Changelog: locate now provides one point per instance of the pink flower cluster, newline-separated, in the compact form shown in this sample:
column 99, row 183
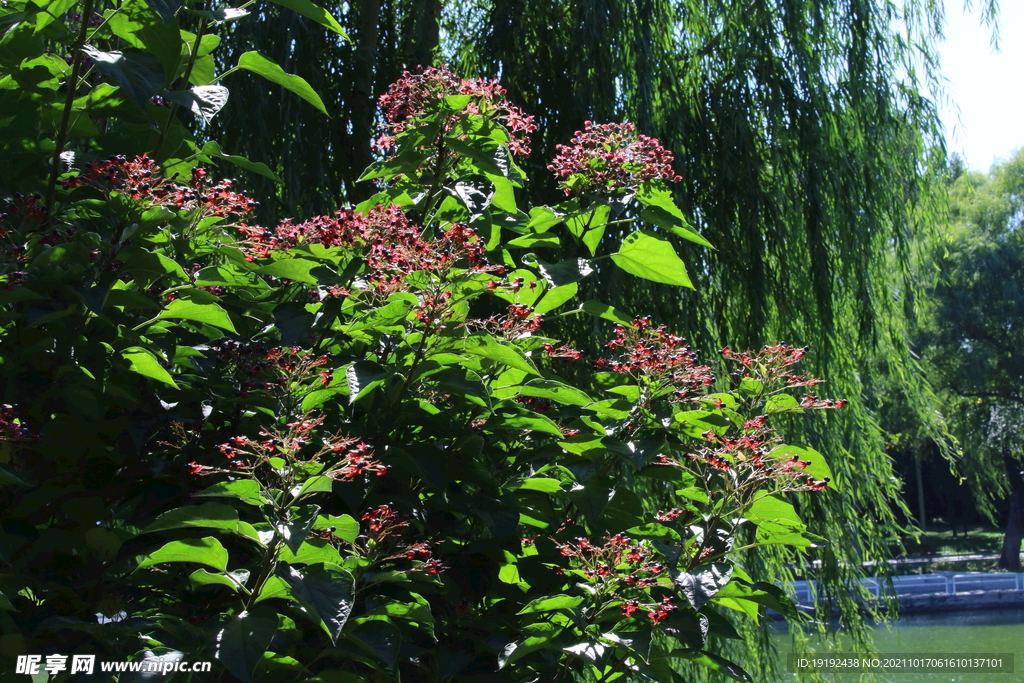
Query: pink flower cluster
column 413, row 95
column 610, row 158
column 393, row 246
column 140, row 179
column 659, row 356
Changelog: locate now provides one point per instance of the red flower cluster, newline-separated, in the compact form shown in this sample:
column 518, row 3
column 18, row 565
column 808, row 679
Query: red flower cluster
column 21, row 210
column 383, row 521
column 662, row 610
column 813, row 402
column 414, row 95
column 357, row 460
column 393, row 246
column 564, row 351
column 610, row 158
column 659, row 356
column 140, row 179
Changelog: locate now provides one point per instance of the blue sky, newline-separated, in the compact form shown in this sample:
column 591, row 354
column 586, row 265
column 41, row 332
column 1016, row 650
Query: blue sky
column 988, row 86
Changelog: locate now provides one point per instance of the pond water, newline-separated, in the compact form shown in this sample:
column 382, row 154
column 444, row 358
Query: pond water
column 980, row 633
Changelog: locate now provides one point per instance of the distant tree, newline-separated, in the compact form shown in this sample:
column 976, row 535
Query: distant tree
column 972, row 333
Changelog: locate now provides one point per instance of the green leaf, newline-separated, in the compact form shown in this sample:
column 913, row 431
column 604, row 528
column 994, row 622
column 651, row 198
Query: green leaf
column 206, row 551
column 553, row 604
column 325, row 591
column 296, row 269
column 674, row 224
column 773, row 508
column 490, row 348
column 779, row 403
column 555, row 391
column 602, row 310
column 146, row 364
column 715, row 663
column 246, row 490
column 533, row 241
column 202, row 100
column 645, row 255
column 362, row 378
column 379, row 638
column 701, row 584
column 553, row 298
column 207, row 515
column 818, row 468
column 541, row 484
column 318, row 484
column 345, row 526
column 314, row 12
column 201, row 577
column 295, row 529
column 240, row 644
column 208, row 314
column 139, row 73
column 543, row 219
column 257, row 63
column 213, row 150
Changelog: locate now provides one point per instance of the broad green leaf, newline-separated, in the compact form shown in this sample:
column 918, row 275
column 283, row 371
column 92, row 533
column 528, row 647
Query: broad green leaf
column 257, row 63
column 379, row 638
column 207, row 515
column 362, row 378
column 295, row 529
column 209, row 314
column 602, row 310
column 325, row 591
column 139, row 73
column 345, row 526
column 647, row 256
column 715, row 663
column 318, row 484
column 201, row 577
column 206, row 551
column 773, row 508
column 202, row 100
column 543, row 240
column 759, row 593
column 543, row 219
column 213, row 150
column 246, row 490
column 555, row 391
column 240, row 644
column 782, row 403
column 541, row 484
column 296, row 269
column 553, row 298
column 314, row 12
column 552, row 604
column 818, row 468
column 674, row 224
column 701, row 584
column 490, row 348
column 146, row 364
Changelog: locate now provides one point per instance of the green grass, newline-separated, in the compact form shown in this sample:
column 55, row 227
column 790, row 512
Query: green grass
column 940, row 541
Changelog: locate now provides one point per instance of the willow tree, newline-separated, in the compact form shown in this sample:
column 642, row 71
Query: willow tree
column 801, row 130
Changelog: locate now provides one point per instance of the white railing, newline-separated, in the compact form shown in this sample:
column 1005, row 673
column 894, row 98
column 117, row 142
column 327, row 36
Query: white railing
column 948, row 583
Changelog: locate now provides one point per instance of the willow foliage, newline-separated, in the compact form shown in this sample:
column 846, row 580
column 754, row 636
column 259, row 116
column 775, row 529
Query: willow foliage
column 800, row 130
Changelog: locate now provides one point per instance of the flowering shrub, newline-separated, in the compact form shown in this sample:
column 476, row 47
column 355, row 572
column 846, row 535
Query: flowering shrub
column 611, row 158
column 341, row 449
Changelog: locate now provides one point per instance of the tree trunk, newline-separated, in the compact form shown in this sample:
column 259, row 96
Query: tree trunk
column 1010, row 559
column 356, row 143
